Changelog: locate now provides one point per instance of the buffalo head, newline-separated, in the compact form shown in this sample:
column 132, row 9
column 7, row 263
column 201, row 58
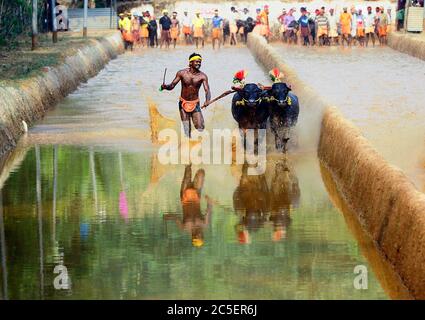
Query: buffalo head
column 279, row 93
column 251, row 94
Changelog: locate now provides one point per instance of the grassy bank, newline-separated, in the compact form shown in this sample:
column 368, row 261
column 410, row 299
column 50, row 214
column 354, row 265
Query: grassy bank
column 19, row 62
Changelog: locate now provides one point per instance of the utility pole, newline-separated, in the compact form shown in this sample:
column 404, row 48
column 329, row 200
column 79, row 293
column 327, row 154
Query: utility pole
column 85, row 19
column 34, row 37
column 54, row 24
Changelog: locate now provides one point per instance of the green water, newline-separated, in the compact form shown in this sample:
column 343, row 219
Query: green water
column 108, row 211
column 111, row 255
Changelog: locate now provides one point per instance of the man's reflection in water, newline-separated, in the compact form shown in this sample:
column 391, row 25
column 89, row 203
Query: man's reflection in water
column 250, row 202
column 258, row 204
column 284, row 196
column 193, row 221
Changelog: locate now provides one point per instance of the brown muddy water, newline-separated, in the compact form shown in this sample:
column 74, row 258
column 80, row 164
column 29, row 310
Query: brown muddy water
column 379, row 89
column 85, row 190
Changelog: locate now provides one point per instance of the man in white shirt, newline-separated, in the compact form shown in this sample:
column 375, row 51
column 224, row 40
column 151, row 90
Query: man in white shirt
column 187, row 27
column 333, row 26
column 370, row 26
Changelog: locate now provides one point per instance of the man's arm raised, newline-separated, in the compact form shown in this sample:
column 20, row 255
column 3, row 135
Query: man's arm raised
column 173, row 83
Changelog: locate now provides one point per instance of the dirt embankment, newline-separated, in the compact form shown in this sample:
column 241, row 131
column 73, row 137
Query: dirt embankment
column 412, row 44
column 387, row 204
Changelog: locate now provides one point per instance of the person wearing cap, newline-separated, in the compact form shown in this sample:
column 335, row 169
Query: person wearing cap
column 198, row 29
column 187, row 28
column 370, row 26
column 282, row 29
column 382, row 26
column 192, row 79
column 333, row 27
column 217, row 27
column 165, row 27
column 121, row 22
column 345, row 20
column 175, row 28
column 248, row 24
column 192, row 220
column 125, row 27
column 257, row 28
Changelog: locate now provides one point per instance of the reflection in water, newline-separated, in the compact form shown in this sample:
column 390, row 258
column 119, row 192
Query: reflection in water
column 250, row 201
column 143, row 259
column 284, row 196
column 257, row 204
column 388, row 278
column 123, row 205
column 192, row 220
column 3, row 250
column 40, row 218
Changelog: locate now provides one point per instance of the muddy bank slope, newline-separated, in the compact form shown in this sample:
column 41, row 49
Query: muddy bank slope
column 412, row 44
column 27, row 100
column 387, row 204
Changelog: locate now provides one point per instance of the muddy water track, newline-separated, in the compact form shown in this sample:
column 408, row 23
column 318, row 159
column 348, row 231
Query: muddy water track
column 88, row 188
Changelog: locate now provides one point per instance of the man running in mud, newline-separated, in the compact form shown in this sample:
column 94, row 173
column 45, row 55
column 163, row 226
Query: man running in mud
column 192, row 79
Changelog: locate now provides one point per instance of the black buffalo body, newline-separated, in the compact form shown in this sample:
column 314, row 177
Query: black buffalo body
column 249, row 108
column 284, row 110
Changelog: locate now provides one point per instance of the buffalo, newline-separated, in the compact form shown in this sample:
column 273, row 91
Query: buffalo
column 249, row 108
column 283, row 110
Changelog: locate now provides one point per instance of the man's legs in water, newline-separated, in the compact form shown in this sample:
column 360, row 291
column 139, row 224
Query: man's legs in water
column 197, row 119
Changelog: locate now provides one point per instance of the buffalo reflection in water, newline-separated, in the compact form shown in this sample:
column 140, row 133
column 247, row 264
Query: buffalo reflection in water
column 257, row 204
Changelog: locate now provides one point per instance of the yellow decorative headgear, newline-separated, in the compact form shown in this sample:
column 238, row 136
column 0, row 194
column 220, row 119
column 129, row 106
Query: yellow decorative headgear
column 196, row 57
column 197, row 242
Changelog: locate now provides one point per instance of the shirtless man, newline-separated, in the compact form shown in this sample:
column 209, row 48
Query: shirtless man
column 192, row 79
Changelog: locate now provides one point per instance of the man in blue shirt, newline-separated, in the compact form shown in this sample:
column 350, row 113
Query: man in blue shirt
column 217, row 26
column 304, row 26
column 165, row 23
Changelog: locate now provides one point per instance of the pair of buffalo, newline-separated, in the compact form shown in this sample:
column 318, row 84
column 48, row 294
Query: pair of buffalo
column 253, row 105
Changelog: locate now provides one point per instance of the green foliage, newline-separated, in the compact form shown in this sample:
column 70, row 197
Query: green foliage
column 15, row 19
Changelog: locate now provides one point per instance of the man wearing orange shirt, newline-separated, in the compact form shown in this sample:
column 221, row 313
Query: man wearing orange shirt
column 345, row 21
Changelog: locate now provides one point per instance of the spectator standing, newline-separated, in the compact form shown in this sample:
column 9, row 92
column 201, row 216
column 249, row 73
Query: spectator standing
column 175, row 29
column 217, row 27
column 304, row 27
column 370, row 26
column 165, row 26
column 281, row 20
column 345, row 21
column 198, row 29
column 333, row 26
column 187, row 27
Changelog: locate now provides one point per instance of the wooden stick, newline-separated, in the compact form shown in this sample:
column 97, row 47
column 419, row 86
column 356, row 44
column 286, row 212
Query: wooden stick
column 165, row 73
column 219, row 97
